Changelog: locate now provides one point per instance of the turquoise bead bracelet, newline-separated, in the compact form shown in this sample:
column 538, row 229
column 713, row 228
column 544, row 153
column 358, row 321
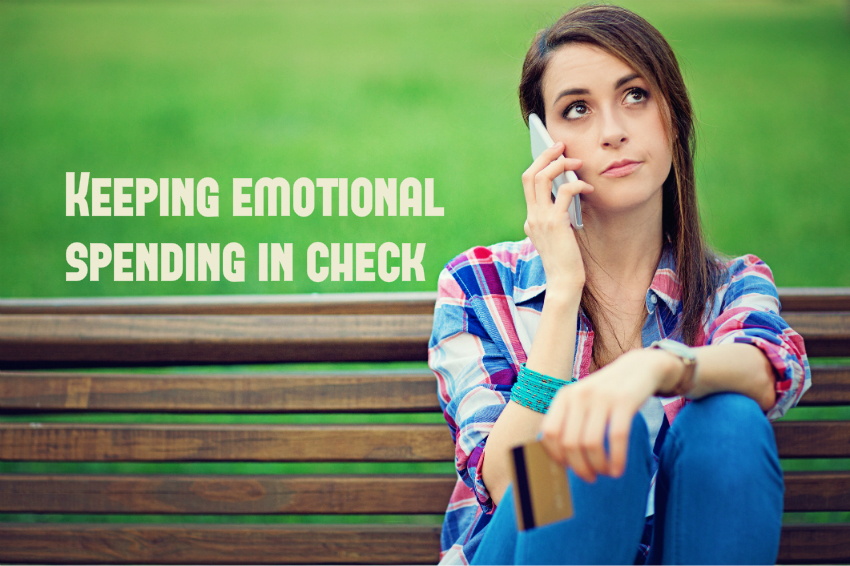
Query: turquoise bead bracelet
column 535, row 390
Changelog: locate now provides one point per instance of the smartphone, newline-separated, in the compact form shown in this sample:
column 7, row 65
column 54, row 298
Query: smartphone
column 540, row 142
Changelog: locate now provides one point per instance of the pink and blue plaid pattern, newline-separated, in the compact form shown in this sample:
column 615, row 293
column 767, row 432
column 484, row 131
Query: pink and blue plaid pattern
column 488, row 306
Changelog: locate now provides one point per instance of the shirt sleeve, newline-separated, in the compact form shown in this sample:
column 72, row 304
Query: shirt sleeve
column 474, row 379
column 749, row 314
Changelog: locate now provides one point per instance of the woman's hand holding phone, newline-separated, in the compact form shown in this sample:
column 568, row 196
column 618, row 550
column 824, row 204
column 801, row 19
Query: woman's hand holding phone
column 548, row 223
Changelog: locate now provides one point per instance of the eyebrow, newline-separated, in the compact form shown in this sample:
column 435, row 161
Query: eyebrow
column 582, row 91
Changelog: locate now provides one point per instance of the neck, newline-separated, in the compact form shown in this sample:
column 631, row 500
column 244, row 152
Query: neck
column 622, row 249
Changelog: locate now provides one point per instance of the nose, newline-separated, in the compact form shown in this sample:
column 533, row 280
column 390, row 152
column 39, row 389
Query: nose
column 613, row 133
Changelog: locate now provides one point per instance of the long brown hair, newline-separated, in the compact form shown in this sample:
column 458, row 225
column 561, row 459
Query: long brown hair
column 636, row 42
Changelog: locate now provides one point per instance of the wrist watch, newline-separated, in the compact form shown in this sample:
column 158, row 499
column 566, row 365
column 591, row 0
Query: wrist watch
column 688, row 357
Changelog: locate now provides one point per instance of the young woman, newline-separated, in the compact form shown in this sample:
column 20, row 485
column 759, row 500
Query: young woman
column 649, row 366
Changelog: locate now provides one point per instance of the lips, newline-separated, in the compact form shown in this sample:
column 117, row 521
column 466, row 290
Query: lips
column 622, row 168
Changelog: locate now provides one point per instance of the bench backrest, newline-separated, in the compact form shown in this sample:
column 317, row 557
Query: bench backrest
column 40, row 334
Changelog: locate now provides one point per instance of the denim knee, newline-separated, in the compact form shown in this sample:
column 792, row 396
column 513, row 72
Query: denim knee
column 719, row 480
column 725, row 430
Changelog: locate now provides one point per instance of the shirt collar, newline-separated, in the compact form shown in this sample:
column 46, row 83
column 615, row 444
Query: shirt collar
column 531, row 281
column 665, row 282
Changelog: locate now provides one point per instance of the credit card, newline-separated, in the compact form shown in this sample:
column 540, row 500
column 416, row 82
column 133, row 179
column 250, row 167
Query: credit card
column 541, row 488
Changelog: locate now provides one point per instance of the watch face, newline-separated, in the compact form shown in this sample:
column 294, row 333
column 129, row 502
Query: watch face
column 677, row 348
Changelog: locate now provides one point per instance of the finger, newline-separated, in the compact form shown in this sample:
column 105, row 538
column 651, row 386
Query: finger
column 593, row 440
column 544, row 179
column 538, row 164
column 567, row 191
column 572, row 163
column 571, row 441
column 528, row 189
column 618, row 439
column 551, row 154
column 551, row 427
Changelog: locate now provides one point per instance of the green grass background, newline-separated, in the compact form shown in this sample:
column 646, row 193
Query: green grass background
column 392, row 89
column 389, row 89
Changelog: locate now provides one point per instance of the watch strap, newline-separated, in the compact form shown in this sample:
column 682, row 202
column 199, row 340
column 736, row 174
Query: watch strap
column 689, row 359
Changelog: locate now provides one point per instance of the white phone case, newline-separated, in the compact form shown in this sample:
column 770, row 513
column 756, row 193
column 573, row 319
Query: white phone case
column 540, row 142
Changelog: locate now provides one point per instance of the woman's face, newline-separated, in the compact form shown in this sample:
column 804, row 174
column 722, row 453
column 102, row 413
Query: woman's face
column 604, row 113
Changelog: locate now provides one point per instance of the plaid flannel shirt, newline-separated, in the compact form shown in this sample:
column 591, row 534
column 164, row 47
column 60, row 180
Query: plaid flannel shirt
column 486, row 315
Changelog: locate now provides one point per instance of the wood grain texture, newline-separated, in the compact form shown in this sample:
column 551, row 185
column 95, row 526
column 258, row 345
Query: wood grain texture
column 813, row 439
column 792, row 299
column 310, row 304
column 299, row 544
column 227, row 393
column 817, row 491
column 273, row 393
column 202, row 443
column 814, row 298
column 830, row 386
column 220, row 494
column 259, row 329
column 815, row 544
column 306, row 443
column 66, row 340
column 45, row 340
column 825, row 333
column 298, row 494
column 219, row 544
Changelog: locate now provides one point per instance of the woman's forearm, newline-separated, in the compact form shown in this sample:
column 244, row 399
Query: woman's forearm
column 516, row 424
column 552, row 354
column 741, row 368
column 553, row 349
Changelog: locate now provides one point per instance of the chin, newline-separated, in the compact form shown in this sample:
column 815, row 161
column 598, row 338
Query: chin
column 621, row 198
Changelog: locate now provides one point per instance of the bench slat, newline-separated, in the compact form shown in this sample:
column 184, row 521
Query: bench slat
column 814, row 298
column 419, row 302
column 45, row 340
column 120, row 340
column 305, row 544
column 296, row 494
column 813, row 439
column 830, row 387
column 253, row 495
column 228, row 393
column 825, row 333
column 277, row 393
column 817, row 491
column 201, row 443
column 219, row 544
column 826, row 543
column 307, row 443
column 792, row 299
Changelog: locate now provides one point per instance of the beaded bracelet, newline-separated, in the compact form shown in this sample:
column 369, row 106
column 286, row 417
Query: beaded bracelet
column 535, row 390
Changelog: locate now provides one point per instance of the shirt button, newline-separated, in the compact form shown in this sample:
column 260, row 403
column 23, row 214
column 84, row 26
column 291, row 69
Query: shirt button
column 653, row 299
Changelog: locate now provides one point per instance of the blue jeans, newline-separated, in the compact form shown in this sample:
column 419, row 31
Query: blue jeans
column 718, row 498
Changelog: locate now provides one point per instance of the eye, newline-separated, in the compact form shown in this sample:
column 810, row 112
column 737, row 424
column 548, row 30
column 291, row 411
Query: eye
column 576, row 110
column 636, row 95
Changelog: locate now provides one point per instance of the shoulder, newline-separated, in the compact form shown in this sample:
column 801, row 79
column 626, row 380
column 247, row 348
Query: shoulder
column 505, row 268
column 747, row 278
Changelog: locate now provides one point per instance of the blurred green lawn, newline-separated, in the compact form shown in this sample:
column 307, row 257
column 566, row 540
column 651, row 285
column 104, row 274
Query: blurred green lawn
column 392, row 89
column 389, row 89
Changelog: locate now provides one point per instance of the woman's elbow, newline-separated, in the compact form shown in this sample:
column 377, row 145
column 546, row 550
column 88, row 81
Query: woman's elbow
column 494, row 477
column 768, row 389
column 768, row 399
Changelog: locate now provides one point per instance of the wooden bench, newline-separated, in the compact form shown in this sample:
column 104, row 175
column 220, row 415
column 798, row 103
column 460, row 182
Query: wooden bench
column 56, row 422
